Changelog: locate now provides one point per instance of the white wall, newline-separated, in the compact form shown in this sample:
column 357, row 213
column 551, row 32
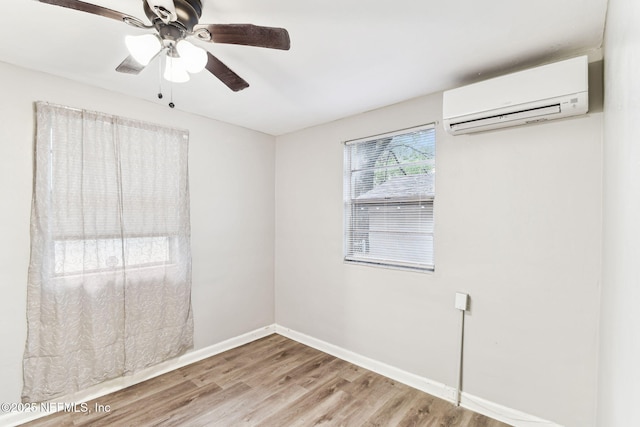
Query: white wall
column 232, row 214
column 619, row 381
column 518, row 227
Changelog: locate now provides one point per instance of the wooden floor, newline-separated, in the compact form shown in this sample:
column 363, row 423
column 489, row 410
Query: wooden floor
column 271, row 382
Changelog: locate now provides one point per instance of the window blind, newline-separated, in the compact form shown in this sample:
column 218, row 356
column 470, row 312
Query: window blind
column 389, row 191
column 98, row 160
column 104, row 194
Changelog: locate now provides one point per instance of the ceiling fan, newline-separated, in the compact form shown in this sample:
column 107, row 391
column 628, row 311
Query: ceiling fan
column 173, row 22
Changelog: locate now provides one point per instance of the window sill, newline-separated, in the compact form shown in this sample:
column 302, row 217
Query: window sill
column 426, row 270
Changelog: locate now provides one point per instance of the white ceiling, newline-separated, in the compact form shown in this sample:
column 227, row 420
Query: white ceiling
column 346, row 57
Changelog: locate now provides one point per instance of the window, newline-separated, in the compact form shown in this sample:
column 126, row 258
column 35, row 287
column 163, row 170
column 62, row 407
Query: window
column 109, row 283
column 388, row 199
column 114, row 192
column 76, row 256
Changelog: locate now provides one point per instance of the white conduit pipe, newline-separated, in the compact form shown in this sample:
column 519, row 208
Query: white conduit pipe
column 462, row 304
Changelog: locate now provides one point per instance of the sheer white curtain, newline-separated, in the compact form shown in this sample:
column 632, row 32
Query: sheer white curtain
column 109, row 286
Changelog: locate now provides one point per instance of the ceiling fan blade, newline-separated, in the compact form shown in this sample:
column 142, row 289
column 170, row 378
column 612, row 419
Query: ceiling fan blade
column 130, row 66
column 96, row 10
column 248, row 35
column 225, row 74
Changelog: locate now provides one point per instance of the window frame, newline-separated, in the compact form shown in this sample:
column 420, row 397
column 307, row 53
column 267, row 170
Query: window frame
column 349, row 206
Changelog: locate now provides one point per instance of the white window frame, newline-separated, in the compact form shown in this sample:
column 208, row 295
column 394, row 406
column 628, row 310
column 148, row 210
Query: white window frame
column 354, row 255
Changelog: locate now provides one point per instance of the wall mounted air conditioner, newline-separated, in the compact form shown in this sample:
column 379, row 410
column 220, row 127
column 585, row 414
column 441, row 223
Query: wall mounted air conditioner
column 543, row 93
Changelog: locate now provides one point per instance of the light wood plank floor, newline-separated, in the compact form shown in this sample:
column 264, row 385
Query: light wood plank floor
column 271, row 382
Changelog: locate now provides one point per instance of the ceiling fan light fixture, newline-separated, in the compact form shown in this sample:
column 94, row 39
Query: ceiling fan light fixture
column 175, row 70
column 143, row 48
column 194, row 57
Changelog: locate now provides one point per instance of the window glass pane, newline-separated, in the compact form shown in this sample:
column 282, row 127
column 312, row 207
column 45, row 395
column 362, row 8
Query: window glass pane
column 90, row 256
column 389, row 193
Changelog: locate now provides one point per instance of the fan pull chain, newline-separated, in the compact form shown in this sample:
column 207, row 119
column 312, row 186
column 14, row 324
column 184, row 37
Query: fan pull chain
column 171, row 104
column 160, row 78
column 160, row 95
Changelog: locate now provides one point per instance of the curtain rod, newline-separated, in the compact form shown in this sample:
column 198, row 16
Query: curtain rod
column 82, row 110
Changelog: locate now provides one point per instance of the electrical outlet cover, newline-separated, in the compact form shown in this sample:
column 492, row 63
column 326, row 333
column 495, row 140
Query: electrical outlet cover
column 462, row 301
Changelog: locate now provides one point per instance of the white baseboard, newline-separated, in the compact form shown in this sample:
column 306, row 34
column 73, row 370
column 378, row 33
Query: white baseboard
column 434, row 388
column 502, row 413
column 15, row 418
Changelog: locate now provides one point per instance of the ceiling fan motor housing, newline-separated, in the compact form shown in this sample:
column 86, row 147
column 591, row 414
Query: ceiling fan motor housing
column 188, row 13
